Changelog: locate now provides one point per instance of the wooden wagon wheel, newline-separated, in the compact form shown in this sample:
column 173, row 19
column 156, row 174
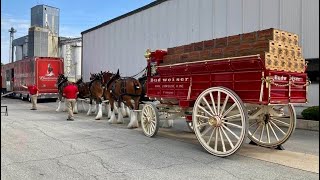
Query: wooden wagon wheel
column 150, row 120
column 271, row 125
column 225, row 117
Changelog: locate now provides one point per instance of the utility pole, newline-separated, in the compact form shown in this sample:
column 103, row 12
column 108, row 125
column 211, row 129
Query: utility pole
column 11, row 31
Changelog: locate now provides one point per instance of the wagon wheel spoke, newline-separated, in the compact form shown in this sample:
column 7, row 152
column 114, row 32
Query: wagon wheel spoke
column 232, row 124
column 224, row 105
column 153, row 125
column 206, row 131
column 218, row 105
column 232, row 117
column 205, row 110
column 213, row 104
column 204, row 99
column 280, row 122
column 198, row 115
column 254, row 132
column 216, row 141
column 222, row 141
column 268, row 134
column 226, row 135
column 275, row 135
column 253, row 124
column 148, row 129
column 261, row 134
column 145, row 113
column 278, row 128
column 229, row 109
column 202, row 125
column 231, row 132
column 208, row 142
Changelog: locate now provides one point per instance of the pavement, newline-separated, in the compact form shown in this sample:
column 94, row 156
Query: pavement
column 44, row 145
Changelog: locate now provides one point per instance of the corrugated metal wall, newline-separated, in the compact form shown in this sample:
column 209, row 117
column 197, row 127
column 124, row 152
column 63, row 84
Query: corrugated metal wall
column 122, row 43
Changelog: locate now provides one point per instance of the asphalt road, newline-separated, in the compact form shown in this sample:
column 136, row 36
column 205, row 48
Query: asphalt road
column 43, row 145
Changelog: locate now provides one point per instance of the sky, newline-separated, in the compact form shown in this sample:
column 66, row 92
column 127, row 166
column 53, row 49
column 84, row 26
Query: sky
column 75, row 16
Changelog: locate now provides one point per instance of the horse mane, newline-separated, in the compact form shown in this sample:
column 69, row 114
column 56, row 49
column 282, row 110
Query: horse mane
column 62, row 79
column 113, row 78
column 79, row 81
column 95, row 77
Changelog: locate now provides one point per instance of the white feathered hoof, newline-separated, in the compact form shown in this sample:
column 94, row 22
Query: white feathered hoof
column 123, row 110
column 115, row 108
column 59, row 105
column 106, row 109
column 128, row 111
column 75, row 110
column 99, row 115
column 94, row 108
column 168, row 123
column 109, row 111
column 133, row 121
column 120, row 118
column 83, row 107
column 89, row 110
column 112, row 119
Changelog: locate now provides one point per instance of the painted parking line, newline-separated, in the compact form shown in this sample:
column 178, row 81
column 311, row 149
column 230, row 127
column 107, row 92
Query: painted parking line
column 291, row 159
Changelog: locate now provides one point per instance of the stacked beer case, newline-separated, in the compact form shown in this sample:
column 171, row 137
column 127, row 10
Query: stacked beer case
column 278, row 49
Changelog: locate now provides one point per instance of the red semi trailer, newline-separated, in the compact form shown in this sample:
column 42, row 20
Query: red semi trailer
column 42, row 71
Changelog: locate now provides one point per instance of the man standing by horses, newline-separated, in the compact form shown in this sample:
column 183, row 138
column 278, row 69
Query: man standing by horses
column 70, row 92
column 34, row 92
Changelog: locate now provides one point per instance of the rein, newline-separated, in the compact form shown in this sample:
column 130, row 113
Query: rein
column 143, row 70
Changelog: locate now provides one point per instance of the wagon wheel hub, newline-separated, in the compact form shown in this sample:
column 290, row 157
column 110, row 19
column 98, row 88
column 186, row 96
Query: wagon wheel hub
column 148, row 120
column 215, row 121
column 266, row 118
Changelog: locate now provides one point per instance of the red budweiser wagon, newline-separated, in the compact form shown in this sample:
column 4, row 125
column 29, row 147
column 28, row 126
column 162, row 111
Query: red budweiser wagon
column 226, row 100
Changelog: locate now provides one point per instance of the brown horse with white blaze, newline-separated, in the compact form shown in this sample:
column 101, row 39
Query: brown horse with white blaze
column 96, row 87
column 123, row 90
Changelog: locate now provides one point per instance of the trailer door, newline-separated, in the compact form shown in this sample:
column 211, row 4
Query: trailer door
column 47, row 71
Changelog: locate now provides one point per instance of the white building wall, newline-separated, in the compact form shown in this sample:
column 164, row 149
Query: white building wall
column 310, row 28
column 122, row 43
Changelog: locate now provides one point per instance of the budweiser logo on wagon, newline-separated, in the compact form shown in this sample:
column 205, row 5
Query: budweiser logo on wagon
column 170, row 79
column 279, row 78
column 297, row 79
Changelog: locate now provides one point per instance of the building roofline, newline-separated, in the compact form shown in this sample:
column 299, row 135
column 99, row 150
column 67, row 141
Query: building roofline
column 152, row 4
column 45, row 5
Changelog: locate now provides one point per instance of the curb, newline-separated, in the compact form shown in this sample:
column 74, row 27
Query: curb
column 307, row 125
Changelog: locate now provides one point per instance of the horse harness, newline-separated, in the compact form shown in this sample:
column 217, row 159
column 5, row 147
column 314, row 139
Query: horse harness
column 123, row 89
